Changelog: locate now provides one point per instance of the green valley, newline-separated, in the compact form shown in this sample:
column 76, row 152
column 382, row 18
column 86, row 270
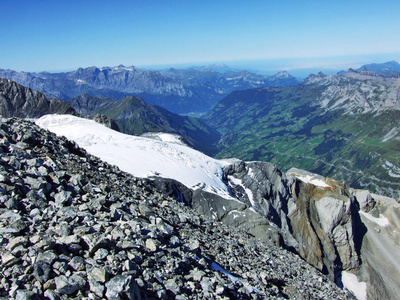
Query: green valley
column 291, row 127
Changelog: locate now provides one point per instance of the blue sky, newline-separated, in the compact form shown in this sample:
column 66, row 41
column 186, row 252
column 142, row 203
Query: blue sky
column 264, row 35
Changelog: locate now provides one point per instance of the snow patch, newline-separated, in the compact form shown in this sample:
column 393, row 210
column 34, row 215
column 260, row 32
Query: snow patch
column 138, row 155
column 251, row 173
column 359, row 289
column 248, row 191
column 391, row 134
column 381, row 221
column 165, row 137
column 312, row 180
column 393, row 171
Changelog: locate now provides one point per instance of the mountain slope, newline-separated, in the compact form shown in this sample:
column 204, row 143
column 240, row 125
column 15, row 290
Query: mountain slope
column 390, row 68
column 343, row 126
column 140, row 156
column 135, row 116
column 179, row 91
column 318, row 218
column 73, row 227
column 19, row 101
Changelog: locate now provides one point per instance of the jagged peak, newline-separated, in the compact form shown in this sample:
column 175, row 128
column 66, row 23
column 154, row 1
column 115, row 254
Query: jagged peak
column 351, row 70
column 282, row 74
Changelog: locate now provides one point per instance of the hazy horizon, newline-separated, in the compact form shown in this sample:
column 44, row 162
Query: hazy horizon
column 264, row 36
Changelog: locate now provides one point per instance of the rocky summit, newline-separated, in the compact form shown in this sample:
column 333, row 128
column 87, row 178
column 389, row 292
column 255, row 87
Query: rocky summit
column 75, row 227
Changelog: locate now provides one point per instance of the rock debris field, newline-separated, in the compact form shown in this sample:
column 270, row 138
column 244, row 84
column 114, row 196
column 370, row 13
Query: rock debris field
column 75, row 227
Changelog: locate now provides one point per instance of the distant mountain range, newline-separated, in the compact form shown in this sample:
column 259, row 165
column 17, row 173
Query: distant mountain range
column 343, row 126
column 390, row 68
column 180, row 91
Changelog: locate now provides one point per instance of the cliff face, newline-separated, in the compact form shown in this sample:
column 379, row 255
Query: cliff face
column 328, row 224
column 317, row 221
column 19, row 101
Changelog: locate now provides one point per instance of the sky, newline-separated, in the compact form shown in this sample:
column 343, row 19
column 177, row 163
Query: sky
column 61, row 35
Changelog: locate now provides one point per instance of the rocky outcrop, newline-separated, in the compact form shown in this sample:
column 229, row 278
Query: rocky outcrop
column 317, row 222
column 108, row 122
column 380, row 256
column 19, row 101
column 73, row 227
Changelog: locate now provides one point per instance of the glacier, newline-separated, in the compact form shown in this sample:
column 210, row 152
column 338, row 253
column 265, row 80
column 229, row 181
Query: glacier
column 140, row 156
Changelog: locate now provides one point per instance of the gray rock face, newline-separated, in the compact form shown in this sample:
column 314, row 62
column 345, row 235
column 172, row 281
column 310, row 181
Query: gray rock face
column 317, row 222
column 80, row 228
column 19, row 101
column 102, row 119
column 356, row 92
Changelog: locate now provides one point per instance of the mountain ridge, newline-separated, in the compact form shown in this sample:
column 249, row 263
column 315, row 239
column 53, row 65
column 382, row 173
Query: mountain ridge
column 342, row 126
column 19, row 101
column 155, row 87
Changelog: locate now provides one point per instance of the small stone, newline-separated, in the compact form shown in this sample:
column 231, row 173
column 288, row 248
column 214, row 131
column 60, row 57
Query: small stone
column 101, row 254
column 19, row 225
column 96, row 287
column 50, row 285
column 4, row 178
column 51, row 295
column 98, row 274
column 122, row 286
column 68, row 286
column 194, row 245
column 71, row 239
column 95, row 241
column 174, row 241
column 172, row 286
column 197, row 275
column 42, row 271
column 23, row 295
column 18, row 241
column 77, row 263
column 145, row 210
column 34, row 212
column 62, row 198
column 151, row 244
column 48, row 256
column 8, row 259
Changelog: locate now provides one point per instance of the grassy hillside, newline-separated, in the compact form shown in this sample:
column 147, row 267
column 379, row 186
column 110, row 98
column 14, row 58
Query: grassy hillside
column 286, row 126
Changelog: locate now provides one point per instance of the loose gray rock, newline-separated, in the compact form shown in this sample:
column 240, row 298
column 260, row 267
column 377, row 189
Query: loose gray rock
column 81, row 228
